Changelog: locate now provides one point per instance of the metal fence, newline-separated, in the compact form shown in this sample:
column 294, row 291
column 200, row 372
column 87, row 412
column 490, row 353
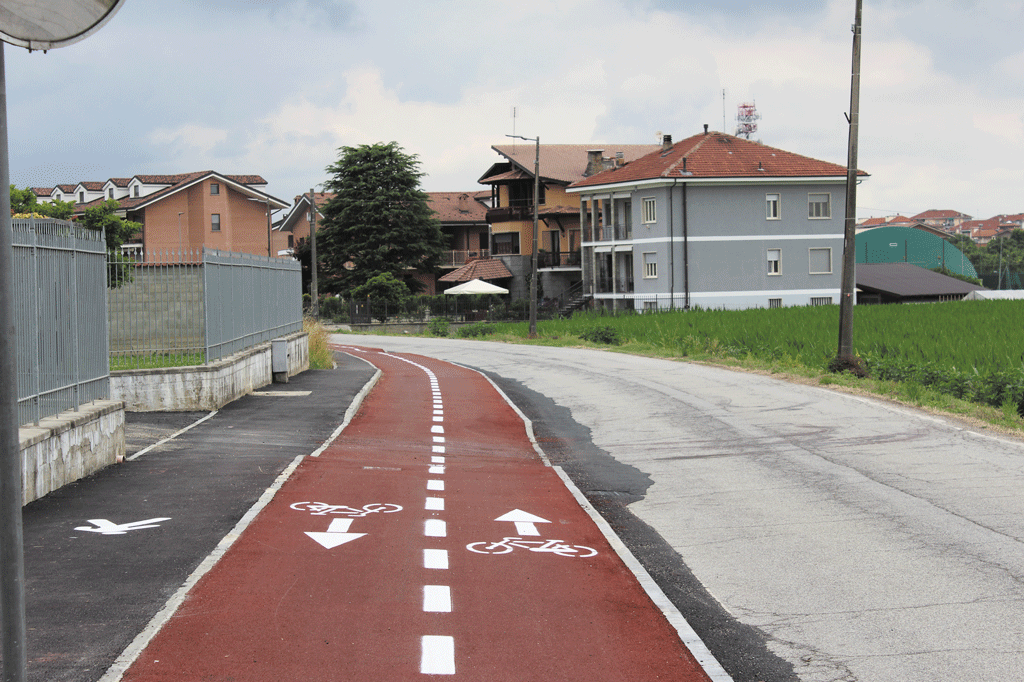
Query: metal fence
column 59, row 317
column 193, row 307
column 249, row 300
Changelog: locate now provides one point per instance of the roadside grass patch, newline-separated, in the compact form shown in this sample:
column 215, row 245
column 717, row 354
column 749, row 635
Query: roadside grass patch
column 320, row 356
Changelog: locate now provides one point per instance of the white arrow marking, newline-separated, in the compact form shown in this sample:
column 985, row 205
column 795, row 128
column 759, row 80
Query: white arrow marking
column 105, row 527
column 524, row 521
column 337, row 534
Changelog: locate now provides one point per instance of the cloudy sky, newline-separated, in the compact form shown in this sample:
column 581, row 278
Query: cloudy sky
column 275, row 87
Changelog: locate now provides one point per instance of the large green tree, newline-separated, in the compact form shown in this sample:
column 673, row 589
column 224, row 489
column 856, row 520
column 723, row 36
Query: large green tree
column 103, row 217
column 379, row 220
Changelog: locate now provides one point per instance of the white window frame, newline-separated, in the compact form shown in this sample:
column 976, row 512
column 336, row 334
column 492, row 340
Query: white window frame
column 650, row 265
column 827, row 202
column 773, row 206
column 774, row 264
column 810, row 260
column 649, row 210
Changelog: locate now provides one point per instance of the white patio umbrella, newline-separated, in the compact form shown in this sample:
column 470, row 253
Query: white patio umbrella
column 476, row 286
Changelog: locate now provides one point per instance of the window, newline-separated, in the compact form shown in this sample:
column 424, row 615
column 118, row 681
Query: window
column 771, row 205
column 214, row 188
column 81, row 197
column 650, row 306
column 60, row 197
column 821, row 300
column 819, row 206
column 650, row 265
column 774, row 258
column 820, row 260
column 215, row 222
column 774, row 302
column 135, row 191
column 650, row 210
column 506, row 243
column 110, row 193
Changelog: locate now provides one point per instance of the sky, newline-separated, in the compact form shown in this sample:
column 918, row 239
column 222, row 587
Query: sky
column 276, row 87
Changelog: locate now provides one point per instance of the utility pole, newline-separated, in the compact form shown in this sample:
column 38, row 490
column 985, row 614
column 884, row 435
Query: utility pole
column 314, row 303
column 536, row 200
column 846, row 297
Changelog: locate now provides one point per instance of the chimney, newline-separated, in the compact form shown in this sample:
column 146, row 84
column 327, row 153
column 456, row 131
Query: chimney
column 705, row 128
column 595, row 162
column 463, row 203
column 666, row 143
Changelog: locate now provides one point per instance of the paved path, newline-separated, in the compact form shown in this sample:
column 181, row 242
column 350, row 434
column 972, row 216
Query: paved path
column 856, row 540
column 430, row 539
column 89, row 593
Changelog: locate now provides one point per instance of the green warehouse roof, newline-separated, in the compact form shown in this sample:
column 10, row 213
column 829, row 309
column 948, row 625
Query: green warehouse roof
column 908, row 245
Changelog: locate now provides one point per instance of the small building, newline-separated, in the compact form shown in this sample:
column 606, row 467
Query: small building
column 907, row 283
column 910, row 245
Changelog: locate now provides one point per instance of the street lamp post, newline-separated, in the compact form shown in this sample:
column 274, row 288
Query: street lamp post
column 536, row 200
column 314, row 302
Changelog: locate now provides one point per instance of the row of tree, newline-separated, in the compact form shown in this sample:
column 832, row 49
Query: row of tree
column 1005, row 254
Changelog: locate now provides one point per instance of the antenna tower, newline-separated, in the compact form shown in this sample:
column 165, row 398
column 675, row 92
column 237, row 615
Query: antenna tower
column 746, row 119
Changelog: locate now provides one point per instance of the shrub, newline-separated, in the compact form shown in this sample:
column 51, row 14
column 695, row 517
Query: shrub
column 438, row 326
column 476, row 329
column 603, row 334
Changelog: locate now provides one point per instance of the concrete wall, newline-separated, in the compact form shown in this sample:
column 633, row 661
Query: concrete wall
column 70, row 446
column 204, row 387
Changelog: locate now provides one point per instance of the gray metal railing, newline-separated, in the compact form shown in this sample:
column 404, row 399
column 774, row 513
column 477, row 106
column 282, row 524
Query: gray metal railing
column 249, row 300
column 193, row 307
column 59, row 317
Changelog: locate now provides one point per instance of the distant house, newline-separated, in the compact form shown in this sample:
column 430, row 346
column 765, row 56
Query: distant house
column 944, row 219
column 716, row 221
column 906, row 283
column 512, row 201
column 182, row 213
column 295, row 226
column 463, row 218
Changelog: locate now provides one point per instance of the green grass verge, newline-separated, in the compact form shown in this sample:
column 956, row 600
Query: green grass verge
column 156, row 361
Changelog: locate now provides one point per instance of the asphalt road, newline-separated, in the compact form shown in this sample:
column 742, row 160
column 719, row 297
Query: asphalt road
column 806, row 534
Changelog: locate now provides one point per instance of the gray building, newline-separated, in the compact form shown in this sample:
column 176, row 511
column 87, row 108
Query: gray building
column 714, row 221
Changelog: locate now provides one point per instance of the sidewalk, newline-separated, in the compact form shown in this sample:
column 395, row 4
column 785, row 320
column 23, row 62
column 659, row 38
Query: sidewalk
column 89, row 593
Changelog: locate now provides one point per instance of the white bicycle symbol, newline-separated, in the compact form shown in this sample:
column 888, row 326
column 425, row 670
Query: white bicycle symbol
column 323, row 509
column 506, row 545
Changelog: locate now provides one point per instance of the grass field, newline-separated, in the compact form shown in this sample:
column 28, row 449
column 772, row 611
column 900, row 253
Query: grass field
column 967, row 351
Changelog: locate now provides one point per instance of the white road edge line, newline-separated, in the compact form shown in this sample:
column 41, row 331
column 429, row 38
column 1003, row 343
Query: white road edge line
column 174, row 435
column 121, row 664
column 689, row 637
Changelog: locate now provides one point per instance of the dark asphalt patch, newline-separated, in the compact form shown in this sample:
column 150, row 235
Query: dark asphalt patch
column 610, row 486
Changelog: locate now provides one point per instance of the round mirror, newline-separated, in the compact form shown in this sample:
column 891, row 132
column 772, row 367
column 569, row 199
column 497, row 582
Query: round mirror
column 46, row 24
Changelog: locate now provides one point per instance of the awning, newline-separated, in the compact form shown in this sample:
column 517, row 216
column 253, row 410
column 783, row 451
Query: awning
column 476, row 286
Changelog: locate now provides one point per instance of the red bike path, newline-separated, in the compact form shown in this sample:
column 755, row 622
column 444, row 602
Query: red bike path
column 377, row 593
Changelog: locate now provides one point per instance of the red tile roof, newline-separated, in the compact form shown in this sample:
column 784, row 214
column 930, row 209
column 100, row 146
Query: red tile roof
column 485, row 269
column 717, row 155
column 565, row 162
column 457, row 207
column 935, row 213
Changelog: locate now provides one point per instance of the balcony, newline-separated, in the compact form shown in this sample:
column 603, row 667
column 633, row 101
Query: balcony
column 559, row 260
column 605, row 285
column 509, row 213
column 456, row 259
